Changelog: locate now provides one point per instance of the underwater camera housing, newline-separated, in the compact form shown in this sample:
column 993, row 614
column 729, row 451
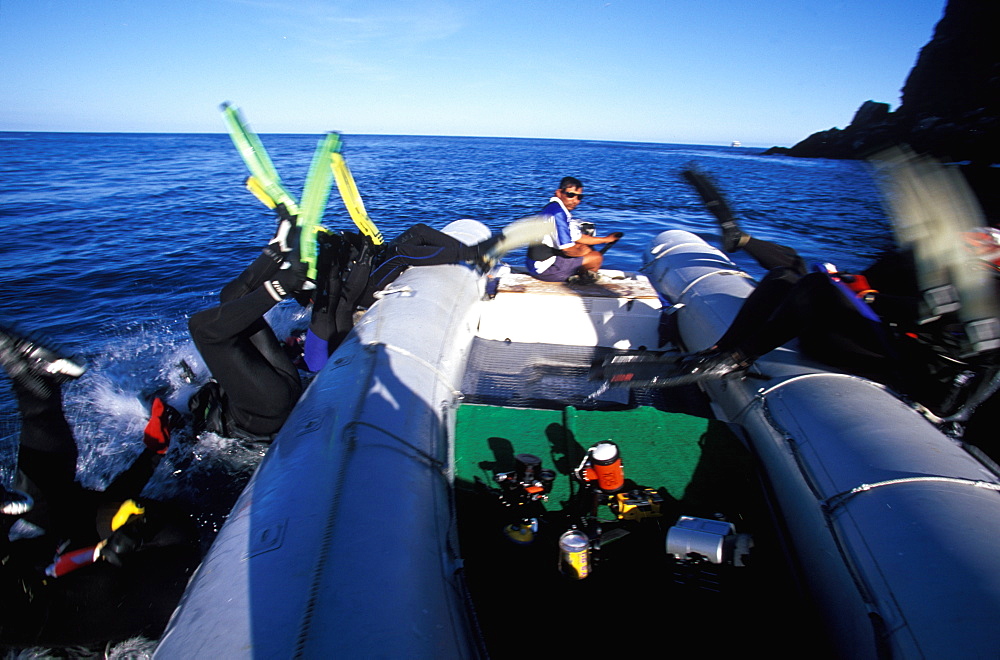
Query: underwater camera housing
column 527, row 482
column 703, row 549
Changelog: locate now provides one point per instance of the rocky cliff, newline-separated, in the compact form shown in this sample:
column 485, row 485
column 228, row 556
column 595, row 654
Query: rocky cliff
column 951, row 100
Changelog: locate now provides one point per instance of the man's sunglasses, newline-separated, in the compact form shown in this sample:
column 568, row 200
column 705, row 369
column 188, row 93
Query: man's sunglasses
column 571, row 195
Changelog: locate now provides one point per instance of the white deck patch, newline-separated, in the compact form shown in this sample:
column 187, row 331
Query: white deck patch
column 622, row 311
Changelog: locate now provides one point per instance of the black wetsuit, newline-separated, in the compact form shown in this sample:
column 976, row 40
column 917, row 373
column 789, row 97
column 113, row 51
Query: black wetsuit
column 352, row 270
column 420, row 245
column 791, row 302
column 260, row 384
column 100, row 602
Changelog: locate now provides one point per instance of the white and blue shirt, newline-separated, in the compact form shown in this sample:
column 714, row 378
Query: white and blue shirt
column 565, row 236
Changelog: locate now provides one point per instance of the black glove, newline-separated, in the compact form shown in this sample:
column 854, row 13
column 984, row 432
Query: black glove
column 127, row 539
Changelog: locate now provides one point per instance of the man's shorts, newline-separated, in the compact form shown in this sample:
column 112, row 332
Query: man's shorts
column 561, row 270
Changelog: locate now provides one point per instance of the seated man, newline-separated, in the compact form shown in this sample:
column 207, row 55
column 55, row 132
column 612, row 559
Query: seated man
column 81, row 566
column 568, row 250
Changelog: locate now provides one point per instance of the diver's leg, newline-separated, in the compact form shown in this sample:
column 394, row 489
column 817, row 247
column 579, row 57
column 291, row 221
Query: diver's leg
column 47, row 451
column 46, row 459
column 253, row 277
column 833, row 330
column 261, row 389
column 129, row 483
column 758, row 327
column 773, row 255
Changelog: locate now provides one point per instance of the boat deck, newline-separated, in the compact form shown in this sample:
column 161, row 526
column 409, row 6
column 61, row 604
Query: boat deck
column 614, row 284
column 622, row 311
column 527, row 389
column 634, row 591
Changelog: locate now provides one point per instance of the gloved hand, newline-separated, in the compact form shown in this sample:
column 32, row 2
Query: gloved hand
column 128, row 525
column 127, row 539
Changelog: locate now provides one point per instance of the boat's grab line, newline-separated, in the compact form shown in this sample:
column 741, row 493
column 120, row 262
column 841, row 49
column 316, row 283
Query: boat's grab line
column 662, row 249
column 847, row 557
column 391, row 289
column 763, row 392
column 835, row 501
column 441, row 376
column 829, row 505
column 417, row 452
column 349, row 432
column 698, row 279
column 761, row 395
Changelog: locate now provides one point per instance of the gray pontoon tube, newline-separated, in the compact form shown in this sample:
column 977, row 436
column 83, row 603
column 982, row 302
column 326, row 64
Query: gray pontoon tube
column 341, row 545
column 892, row 524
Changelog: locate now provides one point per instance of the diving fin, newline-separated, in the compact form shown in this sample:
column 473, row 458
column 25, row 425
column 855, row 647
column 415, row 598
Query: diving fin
column 932, row 208
column 733, row 237
column 315, row 195
column 257, row 190
column 265, row 184
column 635, row 370
column 657, row 371
column 522, row 233
column 266, row 179
column 349, row 193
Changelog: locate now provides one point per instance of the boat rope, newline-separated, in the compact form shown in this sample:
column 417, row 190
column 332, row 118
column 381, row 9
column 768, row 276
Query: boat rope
column 391, row 289
column 763, row 392
column 832, row 503
column 439, row 466
column 738, row 273
column 441, row 376
column 663, row 249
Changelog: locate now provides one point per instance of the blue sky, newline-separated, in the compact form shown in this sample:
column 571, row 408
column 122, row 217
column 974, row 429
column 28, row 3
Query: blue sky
column 692, row 71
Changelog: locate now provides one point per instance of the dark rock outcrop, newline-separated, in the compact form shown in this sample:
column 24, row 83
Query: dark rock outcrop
column 950, row 103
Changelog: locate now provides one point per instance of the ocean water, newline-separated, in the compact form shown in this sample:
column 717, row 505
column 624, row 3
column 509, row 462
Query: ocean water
column 110, row 242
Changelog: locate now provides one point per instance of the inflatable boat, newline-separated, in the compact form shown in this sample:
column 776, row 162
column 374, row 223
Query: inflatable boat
column 424, row 497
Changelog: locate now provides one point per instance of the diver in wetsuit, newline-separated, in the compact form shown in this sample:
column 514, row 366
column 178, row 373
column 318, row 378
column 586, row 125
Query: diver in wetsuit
column 421, row 245
column 256, row 383
column 873, row 324
column 352, row 270
column 81, row 566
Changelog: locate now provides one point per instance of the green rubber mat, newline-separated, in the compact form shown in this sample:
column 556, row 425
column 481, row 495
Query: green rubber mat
column 635, row 592
column 659, row 450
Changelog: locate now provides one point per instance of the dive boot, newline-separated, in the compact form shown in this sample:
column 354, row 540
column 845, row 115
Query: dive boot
column 32, row 364
column 15, row 502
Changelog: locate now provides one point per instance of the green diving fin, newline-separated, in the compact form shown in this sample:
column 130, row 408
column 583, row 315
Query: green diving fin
column 352, row 198
column 315, row 195
column 266, row 182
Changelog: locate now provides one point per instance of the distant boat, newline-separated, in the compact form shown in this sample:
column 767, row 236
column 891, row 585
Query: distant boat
column 736, row 143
